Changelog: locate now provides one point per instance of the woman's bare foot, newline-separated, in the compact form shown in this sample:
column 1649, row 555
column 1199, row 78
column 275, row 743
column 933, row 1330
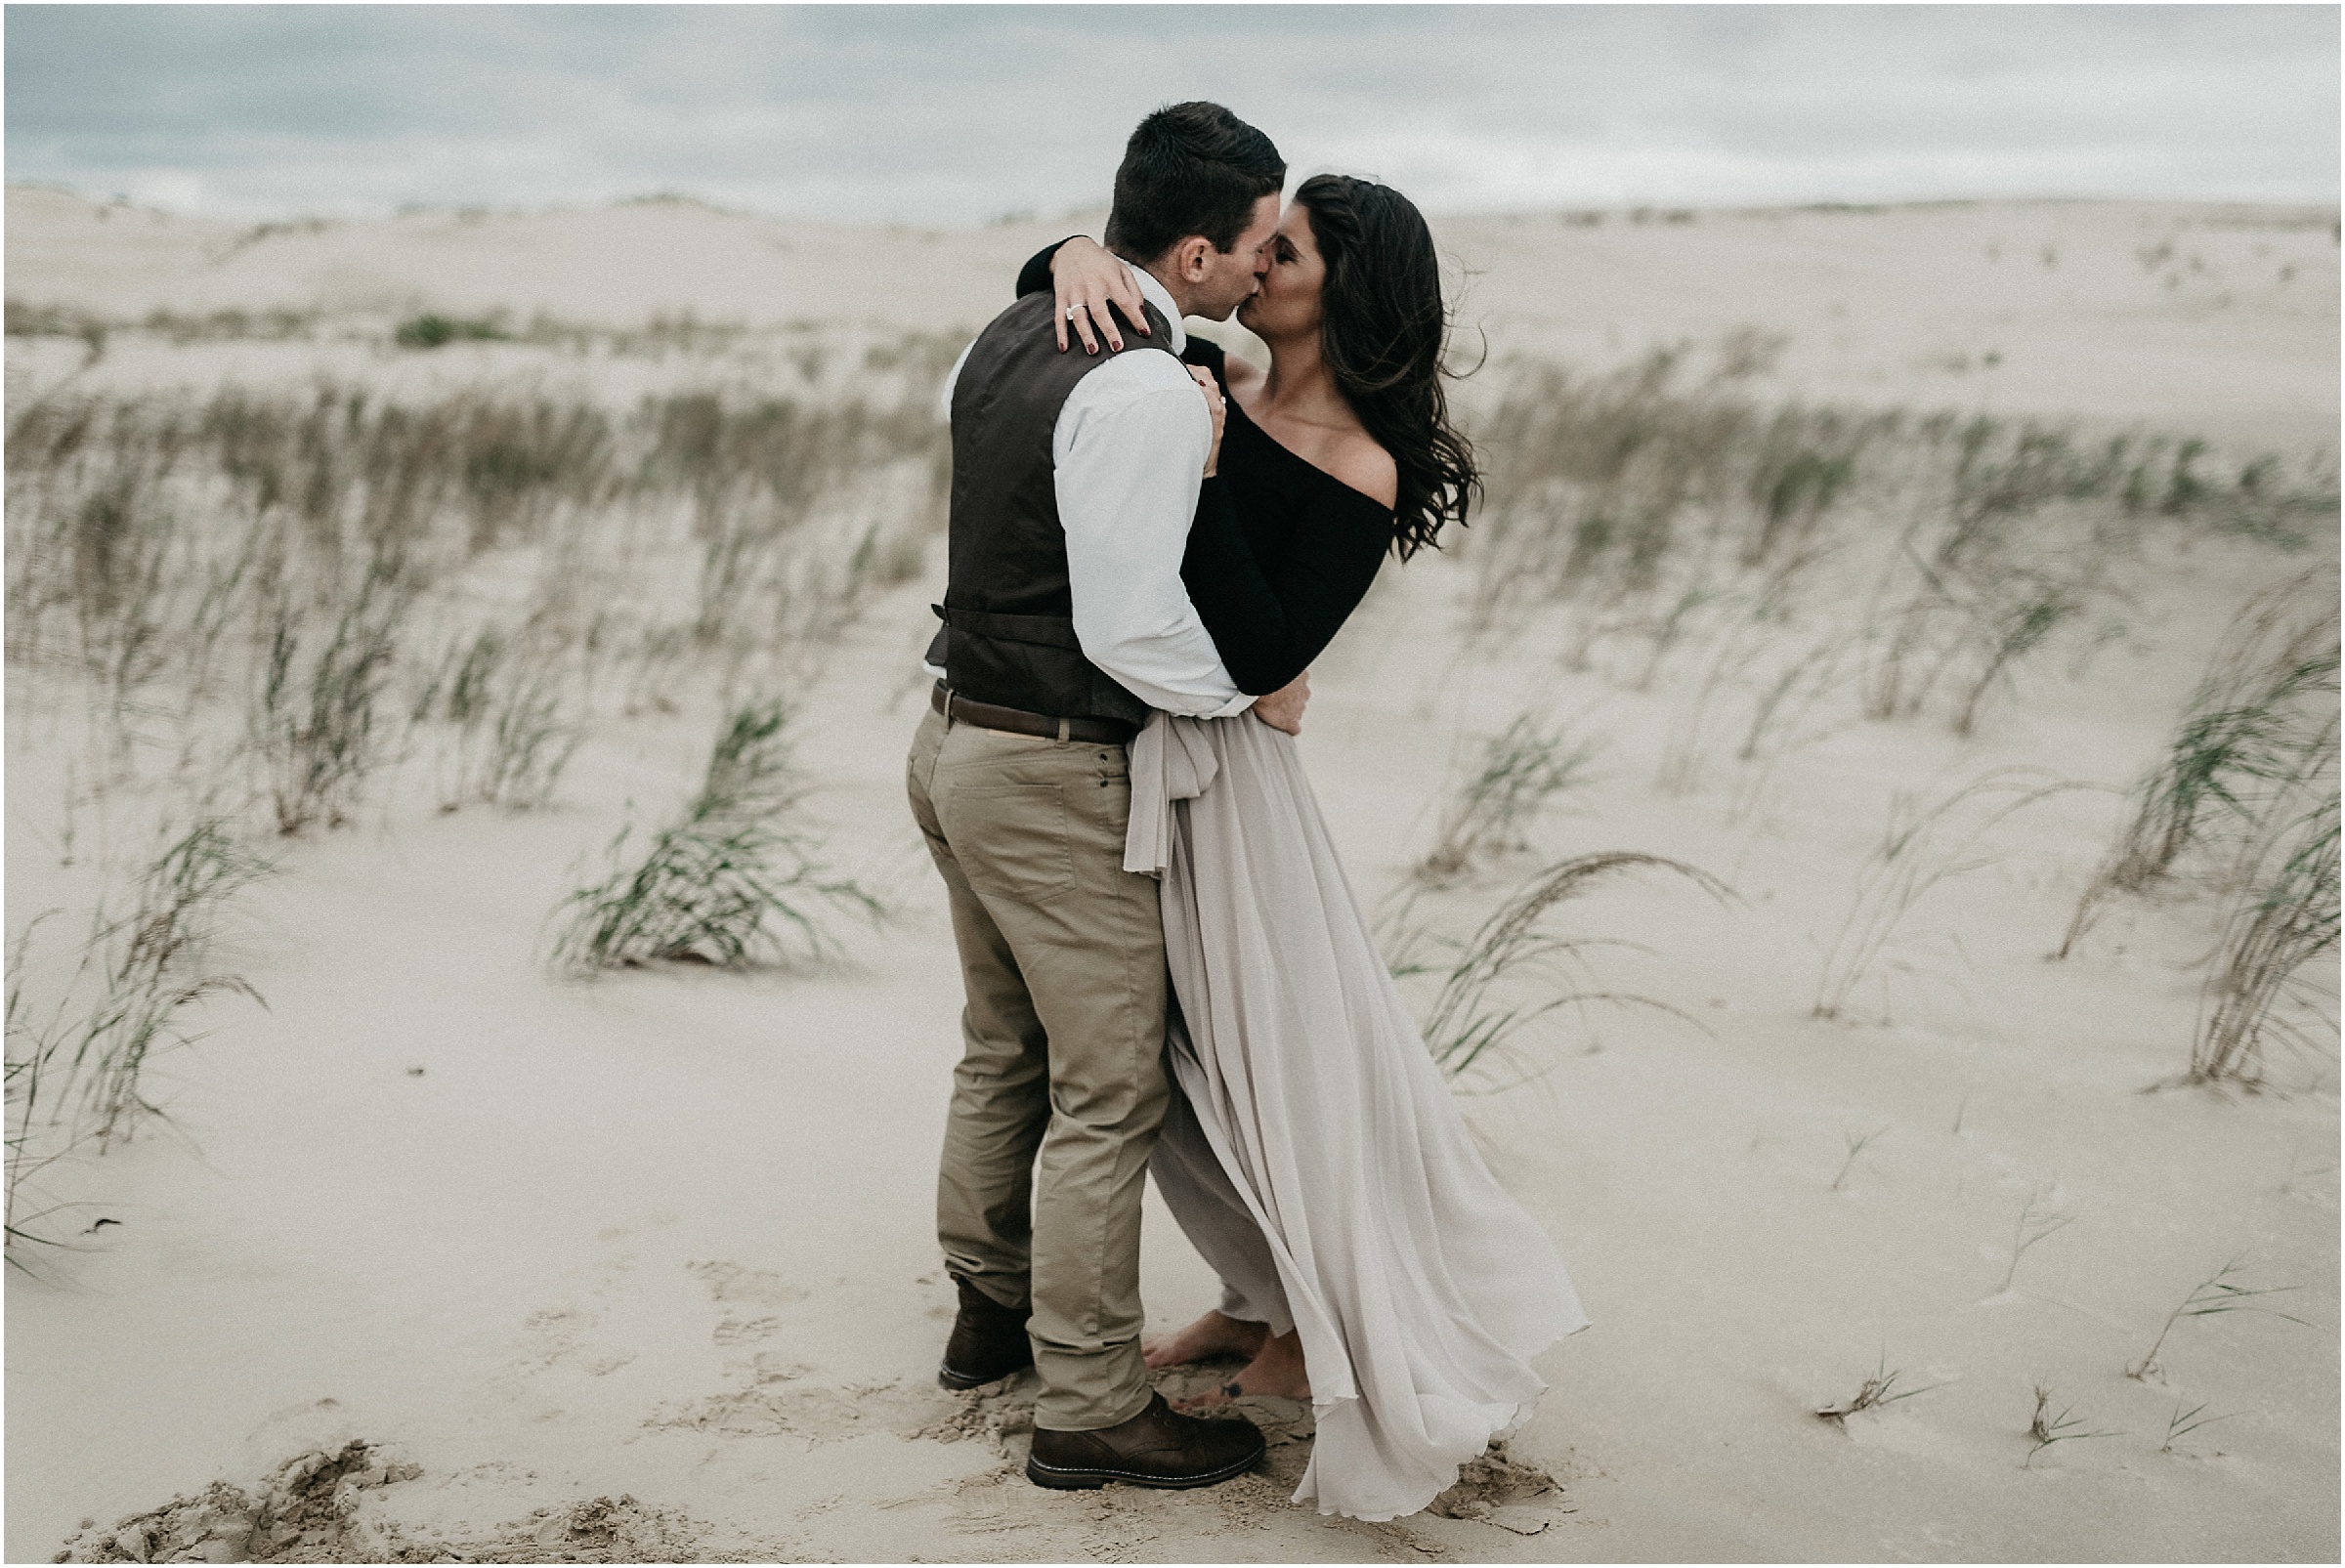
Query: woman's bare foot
column 1210, row 1335
column 1276, row 1373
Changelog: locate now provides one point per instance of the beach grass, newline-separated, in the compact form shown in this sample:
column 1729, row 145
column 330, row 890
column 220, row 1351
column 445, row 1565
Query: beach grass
column 2257, row 732
column 1513, row 969
column 75, row 1066
column 736, row 882
column 1522, row 772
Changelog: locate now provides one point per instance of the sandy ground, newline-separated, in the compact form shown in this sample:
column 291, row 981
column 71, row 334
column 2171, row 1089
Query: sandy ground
column 642, row 1269
column 2108, row 311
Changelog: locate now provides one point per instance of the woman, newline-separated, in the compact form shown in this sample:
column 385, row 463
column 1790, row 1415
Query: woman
column 1370, row 1264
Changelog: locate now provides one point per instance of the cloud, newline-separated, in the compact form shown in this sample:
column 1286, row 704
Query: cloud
column 951, row 115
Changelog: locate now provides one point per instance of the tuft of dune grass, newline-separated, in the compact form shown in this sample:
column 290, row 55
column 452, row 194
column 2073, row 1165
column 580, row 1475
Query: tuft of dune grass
column 736, row 882
column 76, row 1069
column 2281, row 929
column 2259, row 729
column 1513, row 970
column 1522, row 772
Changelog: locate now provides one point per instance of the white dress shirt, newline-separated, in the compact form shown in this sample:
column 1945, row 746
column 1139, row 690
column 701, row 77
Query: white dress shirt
column 1129, row 451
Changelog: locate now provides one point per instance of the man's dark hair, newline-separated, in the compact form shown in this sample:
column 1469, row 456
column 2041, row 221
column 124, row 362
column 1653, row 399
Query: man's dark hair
column 1190, row 169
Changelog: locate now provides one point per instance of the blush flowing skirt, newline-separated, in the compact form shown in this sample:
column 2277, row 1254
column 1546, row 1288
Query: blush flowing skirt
column 1314, row 1156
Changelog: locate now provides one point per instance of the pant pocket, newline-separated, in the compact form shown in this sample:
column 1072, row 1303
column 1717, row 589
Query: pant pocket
column 1011, row 841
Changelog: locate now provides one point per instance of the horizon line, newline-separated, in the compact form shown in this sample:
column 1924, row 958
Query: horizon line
column 1635, row 211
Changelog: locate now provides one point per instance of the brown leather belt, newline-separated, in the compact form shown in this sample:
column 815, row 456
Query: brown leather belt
column 1016, row 720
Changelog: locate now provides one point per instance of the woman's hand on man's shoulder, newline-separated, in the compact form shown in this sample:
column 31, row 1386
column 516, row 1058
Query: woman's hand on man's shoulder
column 1086, row 279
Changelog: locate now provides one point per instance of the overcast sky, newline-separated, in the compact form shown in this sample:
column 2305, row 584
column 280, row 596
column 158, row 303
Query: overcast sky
column 959, row 113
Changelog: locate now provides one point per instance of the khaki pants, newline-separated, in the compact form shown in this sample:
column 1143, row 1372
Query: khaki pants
column 1062, row 958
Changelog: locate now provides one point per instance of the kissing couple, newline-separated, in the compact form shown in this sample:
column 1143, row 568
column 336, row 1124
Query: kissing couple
column 1164, row 968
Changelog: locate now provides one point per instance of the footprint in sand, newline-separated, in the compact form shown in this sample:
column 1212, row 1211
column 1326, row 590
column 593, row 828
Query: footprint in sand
column 772, row 1393
column 734, row 1333
column 730, row 1283
column 556, row 1337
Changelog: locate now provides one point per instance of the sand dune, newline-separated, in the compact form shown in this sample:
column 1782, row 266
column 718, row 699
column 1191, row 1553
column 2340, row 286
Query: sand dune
column 641, row 1268
column 2223, row 316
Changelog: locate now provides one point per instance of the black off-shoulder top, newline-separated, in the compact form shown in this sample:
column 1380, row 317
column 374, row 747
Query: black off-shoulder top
column 1279, row 552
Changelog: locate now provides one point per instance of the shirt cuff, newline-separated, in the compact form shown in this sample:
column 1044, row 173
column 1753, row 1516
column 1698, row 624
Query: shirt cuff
column 1231, row 708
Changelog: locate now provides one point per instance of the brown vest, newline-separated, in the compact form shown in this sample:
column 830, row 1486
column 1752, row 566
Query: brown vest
column 1008, row 635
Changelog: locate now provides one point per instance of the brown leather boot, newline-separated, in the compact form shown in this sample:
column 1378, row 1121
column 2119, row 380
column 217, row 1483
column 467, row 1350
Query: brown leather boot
column 989, row 1341
column 1158, row 1447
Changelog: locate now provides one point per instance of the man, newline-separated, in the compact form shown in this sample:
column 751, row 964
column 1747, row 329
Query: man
column 1075, row 477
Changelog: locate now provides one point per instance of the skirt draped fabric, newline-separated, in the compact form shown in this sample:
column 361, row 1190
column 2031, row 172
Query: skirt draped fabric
column 1314, row 1156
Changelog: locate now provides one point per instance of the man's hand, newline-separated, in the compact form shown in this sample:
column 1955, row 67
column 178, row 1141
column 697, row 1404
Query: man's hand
column 1282, row 709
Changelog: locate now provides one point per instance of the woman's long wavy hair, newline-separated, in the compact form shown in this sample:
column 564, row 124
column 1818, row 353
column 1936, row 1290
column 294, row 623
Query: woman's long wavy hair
column 1381, row 335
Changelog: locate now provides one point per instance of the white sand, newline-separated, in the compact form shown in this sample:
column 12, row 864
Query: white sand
column 666, row 1237
column 2119, row 310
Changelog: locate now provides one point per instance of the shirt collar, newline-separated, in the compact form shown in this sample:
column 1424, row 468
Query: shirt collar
column 1156, row 294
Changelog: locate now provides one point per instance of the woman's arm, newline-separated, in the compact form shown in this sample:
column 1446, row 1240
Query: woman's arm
column 1035, row 276
column 1232, row 594
column 1269, row 624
